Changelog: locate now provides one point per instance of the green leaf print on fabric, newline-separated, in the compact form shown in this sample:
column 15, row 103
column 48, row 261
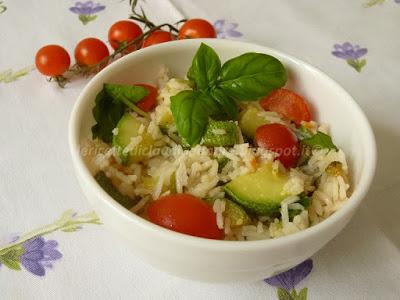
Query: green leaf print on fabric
column 3, row 8
column 33, row 252
column 9, row 75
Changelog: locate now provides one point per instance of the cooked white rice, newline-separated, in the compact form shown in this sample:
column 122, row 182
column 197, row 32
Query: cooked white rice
column 198, row 171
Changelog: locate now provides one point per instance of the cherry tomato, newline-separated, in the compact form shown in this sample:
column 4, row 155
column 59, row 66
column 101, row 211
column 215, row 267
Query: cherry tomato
column 197, row 28
column 288, row 104
column 280, row 139
column 90, row 51
column 124, row 32
column 149, row 102
column 158, row 37
column 52, row 60
column 185, row 213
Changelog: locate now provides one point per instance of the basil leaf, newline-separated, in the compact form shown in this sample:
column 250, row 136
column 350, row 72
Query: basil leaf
column 305, row 201
column 251, row 76
column 190, row 113
column 123, row 93
column 107, row 113
column 319, row 140
column 213, row 107
column 303, row 133
column 227, row 104
column 205, row 68
column 110, row 105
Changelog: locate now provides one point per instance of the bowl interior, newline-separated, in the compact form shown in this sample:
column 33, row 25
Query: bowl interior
column 330, row 103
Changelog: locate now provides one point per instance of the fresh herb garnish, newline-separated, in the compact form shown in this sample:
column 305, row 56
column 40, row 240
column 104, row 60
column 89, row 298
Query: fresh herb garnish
column 251, row 76
column 217, row 89
column 227, row 105
column 111, row 103
column 205, row 68
column 125, row 93
column 190, row 112
column 303, row 132
column 305, row 201
column 319, row 140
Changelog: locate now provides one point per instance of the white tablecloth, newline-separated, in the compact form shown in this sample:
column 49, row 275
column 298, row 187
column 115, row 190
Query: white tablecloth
column 38, row 183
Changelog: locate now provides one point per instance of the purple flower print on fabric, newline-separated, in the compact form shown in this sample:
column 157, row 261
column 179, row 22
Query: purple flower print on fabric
column 226, row 29
column 352, row 54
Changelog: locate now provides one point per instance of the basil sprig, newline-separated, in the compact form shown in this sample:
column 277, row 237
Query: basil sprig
column 217, row 89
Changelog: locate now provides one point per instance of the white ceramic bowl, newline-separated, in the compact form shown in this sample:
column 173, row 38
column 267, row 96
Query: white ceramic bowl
column 225, row 261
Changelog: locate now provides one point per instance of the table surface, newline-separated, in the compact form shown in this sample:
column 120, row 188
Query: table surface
column 38, row 183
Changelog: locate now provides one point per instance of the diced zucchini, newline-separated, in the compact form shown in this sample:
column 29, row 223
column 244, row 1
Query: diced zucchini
column 108, row 186
column 128, row 128
column 221, row 133
column 250, row 120
column 234, row 212
column 260, row 192
column 150, row 182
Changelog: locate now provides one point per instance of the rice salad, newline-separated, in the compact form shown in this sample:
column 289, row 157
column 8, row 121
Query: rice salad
column 230, row 178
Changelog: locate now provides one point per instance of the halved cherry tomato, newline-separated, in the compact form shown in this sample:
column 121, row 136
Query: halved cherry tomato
column 197, row 28
column 149, row 102
column 289, row 104
column 158, row 37
column 90, row 51
column 280, row 139
column 185, row 213
column 124, row 32
column 52, row 60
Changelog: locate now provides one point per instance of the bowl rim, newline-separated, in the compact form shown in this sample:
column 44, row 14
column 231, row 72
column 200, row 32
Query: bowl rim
column 353, row 202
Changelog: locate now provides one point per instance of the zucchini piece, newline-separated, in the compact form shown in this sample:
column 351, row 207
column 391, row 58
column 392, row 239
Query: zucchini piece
column 221, row 133
column 110, row 189
column 250, row 120
column 237, row 215
column 128, row 128
column 150, row 182
column 260, row 192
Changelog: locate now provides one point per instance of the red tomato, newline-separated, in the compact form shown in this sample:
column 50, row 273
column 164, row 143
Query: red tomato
column 90, row 51
column 186, row 214
column 149, row 102
column 124, row 32
column 158, row 37
column 197, row 28
column 278, row 138
column 288, row 104
column 52, row 60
